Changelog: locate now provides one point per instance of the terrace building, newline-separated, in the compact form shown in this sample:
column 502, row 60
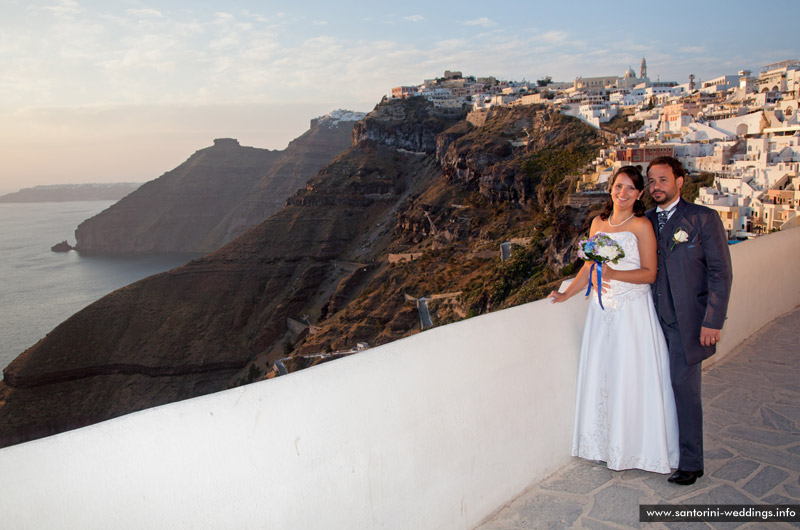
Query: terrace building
column 642, row 156
column 404, row 91
column 773, row 77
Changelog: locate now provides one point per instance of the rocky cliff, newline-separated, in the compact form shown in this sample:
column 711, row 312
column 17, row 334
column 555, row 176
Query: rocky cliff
column 217, row 194
column 416, row 182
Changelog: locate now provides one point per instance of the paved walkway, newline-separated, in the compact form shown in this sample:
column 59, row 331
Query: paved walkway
column 751, row 402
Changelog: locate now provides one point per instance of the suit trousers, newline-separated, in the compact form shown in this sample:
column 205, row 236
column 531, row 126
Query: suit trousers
column 686, row 380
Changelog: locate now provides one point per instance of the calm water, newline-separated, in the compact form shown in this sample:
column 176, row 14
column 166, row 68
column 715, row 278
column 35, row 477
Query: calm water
column 39, row 289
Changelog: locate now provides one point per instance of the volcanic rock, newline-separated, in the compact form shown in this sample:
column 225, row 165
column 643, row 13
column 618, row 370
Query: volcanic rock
column 415, row 180
column 61, row 247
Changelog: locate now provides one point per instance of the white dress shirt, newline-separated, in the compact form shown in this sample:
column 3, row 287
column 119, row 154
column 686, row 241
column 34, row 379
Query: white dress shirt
column 670, row 208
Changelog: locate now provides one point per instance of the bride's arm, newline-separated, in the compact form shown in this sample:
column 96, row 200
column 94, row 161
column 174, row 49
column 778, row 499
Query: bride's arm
column 578, row 284
column 646, row 273
column 581, row 279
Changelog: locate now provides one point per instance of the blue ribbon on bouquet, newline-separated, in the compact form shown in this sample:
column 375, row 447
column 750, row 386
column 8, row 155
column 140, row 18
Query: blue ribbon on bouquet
column 599, row 282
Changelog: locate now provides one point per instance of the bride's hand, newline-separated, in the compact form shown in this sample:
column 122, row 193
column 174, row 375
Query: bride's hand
column 556, row 297
column 608, row 275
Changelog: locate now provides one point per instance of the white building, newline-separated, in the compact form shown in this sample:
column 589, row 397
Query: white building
column 663, row 89
column 720, row 84
column 749, row 139
column 700, row 132
column 596, row 113
column 773, row 77
column 627, row 98
column 689, row 152
column 735, row 216
column 753, row 123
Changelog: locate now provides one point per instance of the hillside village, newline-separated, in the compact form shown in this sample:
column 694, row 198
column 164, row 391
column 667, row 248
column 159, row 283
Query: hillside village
column 743, row 128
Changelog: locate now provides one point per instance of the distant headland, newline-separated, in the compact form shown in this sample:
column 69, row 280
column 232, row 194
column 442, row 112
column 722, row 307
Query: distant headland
column 111, row 191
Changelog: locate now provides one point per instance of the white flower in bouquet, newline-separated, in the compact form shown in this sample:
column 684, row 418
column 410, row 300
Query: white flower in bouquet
column 607, row 252
column 600, row 248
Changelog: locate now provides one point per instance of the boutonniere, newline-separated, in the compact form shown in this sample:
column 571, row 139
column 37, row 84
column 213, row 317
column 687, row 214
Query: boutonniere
column 680, row 236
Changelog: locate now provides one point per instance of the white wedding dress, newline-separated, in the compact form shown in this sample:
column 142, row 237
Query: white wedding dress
column 625, row 410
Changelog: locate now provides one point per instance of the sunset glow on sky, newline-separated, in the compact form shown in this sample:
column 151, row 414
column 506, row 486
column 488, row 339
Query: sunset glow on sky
column 102, row 91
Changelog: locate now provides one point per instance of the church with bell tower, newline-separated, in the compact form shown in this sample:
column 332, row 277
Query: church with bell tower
column 627, row 81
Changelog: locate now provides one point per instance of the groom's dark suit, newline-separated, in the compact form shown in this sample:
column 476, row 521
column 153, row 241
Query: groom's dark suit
column 691, row 290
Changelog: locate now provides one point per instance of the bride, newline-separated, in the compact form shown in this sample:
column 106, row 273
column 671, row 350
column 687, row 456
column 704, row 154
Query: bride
column 625, row 409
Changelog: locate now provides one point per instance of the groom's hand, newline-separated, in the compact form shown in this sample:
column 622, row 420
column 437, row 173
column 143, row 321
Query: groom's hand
column 709, row 336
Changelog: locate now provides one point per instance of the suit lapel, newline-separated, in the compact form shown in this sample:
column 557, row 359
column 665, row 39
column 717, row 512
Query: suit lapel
column 678, row 221
column 669, row 228
column 653, row 216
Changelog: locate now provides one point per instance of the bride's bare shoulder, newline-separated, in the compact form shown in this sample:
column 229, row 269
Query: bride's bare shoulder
column 597, row 222
column 641, row 226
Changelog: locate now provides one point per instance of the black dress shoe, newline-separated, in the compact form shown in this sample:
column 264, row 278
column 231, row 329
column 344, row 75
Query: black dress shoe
column 685, row 478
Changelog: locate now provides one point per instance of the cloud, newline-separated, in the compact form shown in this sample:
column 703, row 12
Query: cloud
column 144, row 13
column 257, row 16
column 223, row 16
column 62, row 8
column 553, row 37
column 483, row 21
column 142, row 55
column 692, row 49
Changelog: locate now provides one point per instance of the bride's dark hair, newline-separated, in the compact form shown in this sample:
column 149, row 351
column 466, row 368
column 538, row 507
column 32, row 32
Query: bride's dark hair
column 636, row 177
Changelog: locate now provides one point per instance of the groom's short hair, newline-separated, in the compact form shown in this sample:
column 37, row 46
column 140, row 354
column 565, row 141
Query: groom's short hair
column 674, row 163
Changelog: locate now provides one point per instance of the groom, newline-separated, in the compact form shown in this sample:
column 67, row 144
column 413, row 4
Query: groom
column 691, row 294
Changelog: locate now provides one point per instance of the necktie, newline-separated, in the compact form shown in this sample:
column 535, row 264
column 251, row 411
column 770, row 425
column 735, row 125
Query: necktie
column 663, row 216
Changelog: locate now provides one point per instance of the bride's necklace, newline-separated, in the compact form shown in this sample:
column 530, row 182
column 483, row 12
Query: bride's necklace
column 622, row 223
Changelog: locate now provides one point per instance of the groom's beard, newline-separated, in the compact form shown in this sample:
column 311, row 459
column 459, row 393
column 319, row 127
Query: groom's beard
column 665, row 198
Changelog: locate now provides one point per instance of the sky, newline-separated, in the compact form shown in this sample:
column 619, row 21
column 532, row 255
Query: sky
column 123, row 91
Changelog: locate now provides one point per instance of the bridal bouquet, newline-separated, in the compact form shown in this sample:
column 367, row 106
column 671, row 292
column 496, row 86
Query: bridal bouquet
column 599, row 248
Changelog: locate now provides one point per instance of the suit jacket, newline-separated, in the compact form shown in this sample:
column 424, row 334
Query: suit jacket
column 696, row 274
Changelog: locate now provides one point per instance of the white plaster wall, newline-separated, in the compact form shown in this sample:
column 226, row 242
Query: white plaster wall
column 435, row 431
column 754, row 122
column 765, row 286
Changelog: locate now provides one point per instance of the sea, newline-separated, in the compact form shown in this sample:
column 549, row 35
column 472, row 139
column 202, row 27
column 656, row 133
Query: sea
column 40, row 288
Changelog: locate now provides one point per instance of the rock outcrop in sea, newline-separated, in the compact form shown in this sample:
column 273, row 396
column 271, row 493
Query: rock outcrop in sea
column 61, row 247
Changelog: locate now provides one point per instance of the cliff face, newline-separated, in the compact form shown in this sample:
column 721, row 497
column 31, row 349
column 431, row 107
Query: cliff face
column 412, row 126
column 213, row 197
column 303, row 158
column 421, row 188
column 506, row 158
column 507, row 180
